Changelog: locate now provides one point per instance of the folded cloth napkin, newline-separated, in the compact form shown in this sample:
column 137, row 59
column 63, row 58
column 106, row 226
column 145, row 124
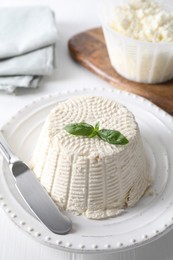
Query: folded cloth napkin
column 28, row 36
column 11, row 83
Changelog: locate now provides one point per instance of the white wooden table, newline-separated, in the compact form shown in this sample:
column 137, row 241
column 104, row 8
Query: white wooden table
column 71, row 17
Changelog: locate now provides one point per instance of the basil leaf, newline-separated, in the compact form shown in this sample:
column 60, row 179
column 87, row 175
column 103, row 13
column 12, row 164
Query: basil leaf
column 82, row 129
column 94, row 133
column 96, row 127
column 112, row 136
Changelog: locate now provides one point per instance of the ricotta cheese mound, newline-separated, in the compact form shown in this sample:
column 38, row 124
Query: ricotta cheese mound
column 87, row 175
column 143, row 20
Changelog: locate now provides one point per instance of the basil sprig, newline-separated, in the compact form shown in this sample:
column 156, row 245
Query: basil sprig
column 107, row 135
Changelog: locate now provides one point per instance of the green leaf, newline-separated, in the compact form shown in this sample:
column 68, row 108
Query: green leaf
column 93, row 134
column 81, row 129
column 112, row 136
column 84, row 129
column 96, row 127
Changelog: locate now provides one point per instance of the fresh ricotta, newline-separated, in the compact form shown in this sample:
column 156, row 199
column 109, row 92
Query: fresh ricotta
column 139, row 36
column 87, row 175
column 143, row 20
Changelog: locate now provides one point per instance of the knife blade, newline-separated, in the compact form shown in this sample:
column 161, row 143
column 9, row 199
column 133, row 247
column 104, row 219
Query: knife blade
column 34, row 195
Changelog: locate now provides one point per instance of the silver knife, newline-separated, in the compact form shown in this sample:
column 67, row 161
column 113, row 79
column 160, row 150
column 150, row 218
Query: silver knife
column 34, row 194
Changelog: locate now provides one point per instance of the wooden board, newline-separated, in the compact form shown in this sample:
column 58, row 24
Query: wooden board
column 89, row 49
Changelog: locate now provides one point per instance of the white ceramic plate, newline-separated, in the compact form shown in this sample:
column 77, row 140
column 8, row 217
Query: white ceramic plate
column 149, row 219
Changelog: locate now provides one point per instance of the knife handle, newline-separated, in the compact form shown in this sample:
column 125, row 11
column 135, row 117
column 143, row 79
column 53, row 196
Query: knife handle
column 6, row 151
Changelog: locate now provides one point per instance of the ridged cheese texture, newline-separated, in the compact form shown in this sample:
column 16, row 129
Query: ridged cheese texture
column 87, row 175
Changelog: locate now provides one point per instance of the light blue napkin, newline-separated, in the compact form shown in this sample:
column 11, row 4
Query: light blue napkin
column 39, row 62
column 9, row 84
column 28, row 36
